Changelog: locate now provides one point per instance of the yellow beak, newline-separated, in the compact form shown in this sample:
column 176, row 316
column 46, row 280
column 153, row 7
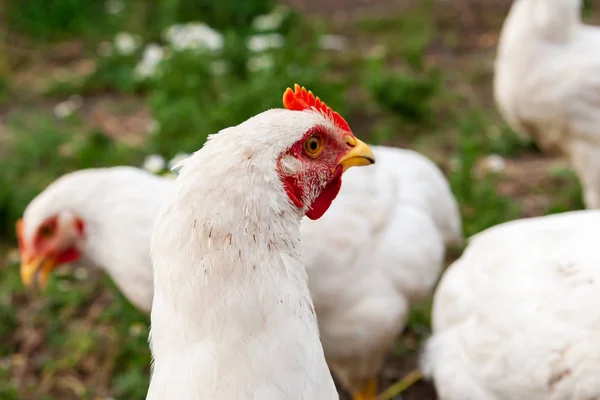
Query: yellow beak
column 41, row 266
column 359, row 155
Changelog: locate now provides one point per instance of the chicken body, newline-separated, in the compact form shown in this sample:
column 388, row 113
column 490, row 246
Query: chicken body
column 396, row 217
column 232, row 316
column 547, row 83
column 117, row 207
column 516, row 316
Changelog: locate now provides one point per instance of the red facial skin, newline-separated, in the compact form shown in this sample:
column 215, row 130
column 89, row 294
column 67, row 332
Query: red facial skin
column 315, row 169
column 45, row 242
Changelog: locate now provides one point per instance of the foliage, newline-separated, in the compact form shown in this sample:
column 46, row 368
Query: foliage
column 406, row 94
column 29, row 164
column 220, row 14
column 190, row 100
column 480, row 203
column 55, row 19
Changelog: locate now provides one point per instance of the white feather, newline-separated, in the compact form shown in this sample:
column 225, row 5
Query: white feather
column 118, row 206
column 547, row 83
column 516, row 316
column 377, row 251
column 232, row 316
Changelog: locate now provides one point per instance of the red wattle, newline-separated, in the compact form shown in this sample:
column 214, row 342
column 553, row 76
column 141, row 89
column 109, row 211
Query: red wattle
column 292, row 190
column 69, row 255
column 322, row 203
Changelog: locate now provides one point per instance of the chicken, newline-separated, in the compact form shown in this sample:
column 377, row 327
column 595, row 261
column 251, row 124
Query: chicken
column 547, row 83
column 395, row 218
column 102, row 216
column 232, row 316
column 517, row 317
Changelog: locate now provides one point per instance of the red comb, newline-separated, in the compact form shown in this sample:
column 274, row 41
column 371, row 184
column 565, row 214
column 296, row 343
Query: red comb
column 301, row 99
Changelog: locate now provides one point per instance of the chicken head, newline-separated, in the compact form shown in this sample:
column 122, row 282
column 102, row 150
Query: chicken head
column 52, row 242
column 311, row 169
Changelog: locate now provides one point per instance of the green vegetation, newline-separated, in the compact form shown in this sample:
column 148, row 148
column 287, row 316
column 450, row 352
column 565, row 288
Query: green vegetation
column 93, row 83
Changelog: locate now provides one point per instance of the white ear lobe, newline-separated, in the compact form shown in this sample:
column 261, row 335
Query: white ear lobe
column 67, row 228
column 66, row 218
column 290, row 165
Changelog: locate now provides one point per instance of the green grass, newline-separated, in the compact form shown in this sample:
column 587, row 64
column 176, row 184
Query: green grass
column 395, row 85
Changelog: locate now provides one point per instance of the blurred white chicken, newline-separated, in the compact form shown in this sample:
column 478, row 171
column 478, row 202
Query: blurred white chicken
column 378, row 250
column 232, row 316
column 102, row 216
column 547, row 83
column 517, row 316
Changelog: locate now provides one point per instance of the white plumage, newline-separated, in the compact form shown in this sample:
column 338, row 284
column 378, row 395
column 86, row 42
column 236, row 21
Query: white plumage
column 117, row 206
column 517, row 317
column 232, row 316
column 547, row 83
column 392, row 222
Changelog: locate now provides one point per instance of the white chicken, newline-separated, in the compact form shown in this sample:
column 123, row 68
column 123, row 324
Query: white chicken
column 232, row 316
column 101, row 216
column 517, row 317
column 547, row 83
column 395, row 218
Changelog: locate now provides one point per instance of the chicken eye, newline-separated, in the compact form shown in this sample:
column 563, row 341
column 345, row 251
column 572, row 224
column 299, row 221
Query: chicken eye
column 47, row 230
column 313, row 146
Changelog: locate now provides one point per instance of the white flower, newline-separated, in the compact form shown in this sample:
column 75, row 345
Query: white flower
column 260, row 43
column 66, row 108
column 125, row 43
column 153, row 55
column 114, row 6
column 260, row 62
column 105, row 49
column 154, row 163
column 271, row 21
column 194, row 36
column 333, row 42
column 219, row 67
column 62, row 110
column 153, row 127
column 175, row 161
column 494, row 163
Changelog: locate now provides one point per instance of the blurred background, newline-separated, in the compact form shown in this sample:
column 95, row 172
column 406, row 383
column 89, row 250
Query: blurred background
column 109, row 82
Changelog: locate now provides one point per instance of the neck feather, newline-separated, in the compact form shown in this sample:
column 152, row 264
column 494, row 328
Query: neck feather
column 555, row 21
column 226, row 255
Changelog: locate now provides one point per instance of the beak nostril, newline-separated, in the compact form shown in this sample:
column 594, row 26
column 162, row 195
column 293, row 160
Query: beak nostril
column 350, row 141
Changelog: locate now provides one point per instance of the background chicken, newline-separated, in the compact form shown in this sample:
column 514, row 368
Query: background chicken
column 100, row 216
column 516, row 316
column 396, row 217
column 547, row 83
column 232, row 315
